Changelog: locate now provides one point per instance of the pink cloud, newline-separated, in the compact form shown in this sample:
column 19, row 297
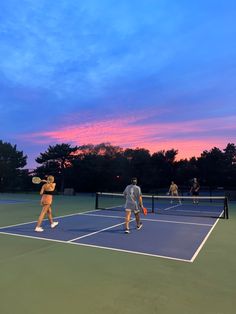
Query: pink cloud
column 188, row 137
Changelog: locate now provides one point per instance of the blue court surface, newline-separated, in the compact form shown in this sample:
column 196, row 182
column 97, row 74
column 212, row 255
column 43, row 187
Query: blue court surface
column 13, row 201
column 173, row 237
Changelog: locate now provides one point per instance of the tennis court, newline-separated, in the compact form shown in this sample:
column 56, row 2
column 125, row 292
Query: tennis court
column 176, row 259
column 176, row 237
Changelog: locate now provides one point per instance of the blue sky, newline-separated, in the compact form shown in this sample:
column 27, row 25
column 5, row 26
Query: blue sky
column 152, row 74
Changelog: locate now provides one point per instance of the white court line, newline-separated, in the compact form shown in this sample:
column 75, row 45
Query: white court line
column 154, row 220
column 178, row 222
column 30, row 222
column 90, row 213
column 104, row 215
column 190, row 211
column 96, row 232
column 132, row 252
column 205, row 239
column 98, row 247
column 31, row 237
column 173, row 206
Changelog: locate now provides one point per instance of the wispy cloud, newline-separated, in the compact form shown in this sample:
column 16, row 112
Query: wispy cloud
column 188, row 137
column 152, row 74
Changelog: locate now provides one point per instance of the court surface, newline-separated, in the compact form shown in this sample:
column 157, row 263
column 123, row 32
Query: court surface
column 168, row 236
column 88, row 264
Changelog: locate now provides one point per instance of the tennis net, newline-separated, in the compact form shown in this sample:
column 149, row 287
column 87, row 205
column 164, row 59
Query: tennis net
column 202, row 206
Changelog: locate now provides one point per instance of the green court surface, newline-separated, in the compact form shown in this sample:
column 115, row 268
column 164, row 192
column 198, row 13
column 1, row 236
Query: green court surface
column 40, row 276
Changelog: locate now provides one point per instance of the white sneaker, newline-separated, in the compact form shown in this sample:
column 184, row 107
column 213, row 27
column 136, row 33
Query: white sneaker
column 54, row 224
column 39, row 229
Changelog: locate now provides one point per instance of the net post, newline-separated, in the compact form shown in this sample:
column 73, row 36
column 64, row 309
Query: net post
column 96, row 200
column 226, row 208
column 153, row 204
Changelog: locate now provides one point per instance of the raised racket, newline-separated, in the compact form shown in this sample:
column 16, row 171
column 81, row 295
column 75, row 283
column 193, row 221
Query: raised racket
column 37, row 180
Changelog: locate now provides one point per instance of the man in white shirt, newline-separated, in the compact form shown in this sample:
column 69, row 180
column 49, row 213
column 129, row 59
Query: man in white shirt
column 133, row 203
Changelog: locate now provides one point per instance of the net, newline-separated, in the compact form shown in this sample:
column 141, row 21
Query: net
column 202, row 206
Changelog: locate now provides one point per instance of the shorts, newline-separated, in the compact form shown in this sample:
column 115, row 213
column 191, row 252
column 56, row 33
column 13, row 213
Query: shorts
column 46, row 199
column 132, row 206
column 195, row 193
column 135, row 211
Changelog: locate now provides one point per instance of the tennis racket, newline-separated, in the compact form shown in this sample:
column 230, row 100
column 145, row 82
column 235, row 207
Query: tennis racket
column 37, row 180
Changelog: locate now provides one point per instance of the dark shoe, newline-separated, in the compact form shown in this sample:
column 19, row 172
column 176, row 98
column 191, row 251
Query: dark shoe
column 140, row 226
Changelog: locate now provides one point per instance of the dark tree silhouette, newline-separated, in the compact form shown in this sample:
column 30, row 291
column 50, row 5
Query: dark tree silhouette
column 11, row 162
column 230, row 164
column 95, row 167
column 211, row 166
column 104, row 167
column 55, row 161
column 164, row 167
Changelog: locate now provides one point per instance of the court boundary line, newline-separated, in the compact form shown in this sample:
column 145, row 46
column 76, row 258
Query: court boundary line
column 205, row 239
column 98, row 231
column 98, row 247
column 87, row 213
column 170, row 207
column 90, row 213
column 193, row 211
column 132, row 252
column 154, row 220
column 162, row 210
column 56, row 217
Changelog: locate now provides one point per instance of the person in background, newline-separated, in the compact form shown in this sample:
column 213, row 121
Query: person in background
column 195, row 190
column 173, row 191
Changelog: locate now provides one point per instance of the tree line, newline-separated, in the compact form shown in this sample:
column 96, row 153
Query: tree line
column 104, row 167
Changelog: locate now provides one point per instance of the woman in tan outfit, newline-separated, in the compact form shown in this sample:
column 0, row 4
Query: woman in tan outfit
column 46, row 201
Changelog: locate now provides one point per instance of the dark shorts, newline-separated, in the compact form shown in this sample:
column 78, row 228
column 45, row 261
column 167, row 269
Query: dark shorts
column 195, row 193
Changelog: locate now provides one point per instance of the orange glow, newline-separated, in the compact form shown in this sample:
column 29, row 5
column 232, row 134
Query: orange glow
column 190, row 138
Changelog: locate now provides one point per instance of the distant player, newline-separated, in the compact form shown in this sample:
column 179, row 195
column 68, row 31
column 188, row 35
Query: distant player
column 46, row 201
column 133, row 203
column 173, row 191
column 195, row 190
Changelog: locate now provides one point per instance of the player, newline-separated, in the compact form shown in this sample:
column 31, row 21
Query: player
column 134, row 201
column 173, row 191
column 195, row 190
column 46, row 201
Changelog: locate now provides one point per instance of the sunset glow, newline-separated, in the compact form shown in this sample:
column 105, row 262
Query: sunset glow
column 188, row 138
column 152, row 75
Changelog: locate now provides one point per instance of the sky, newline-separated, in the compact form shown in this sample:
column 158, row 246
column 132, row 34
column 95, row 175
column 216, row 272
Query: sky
column 153, row 74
